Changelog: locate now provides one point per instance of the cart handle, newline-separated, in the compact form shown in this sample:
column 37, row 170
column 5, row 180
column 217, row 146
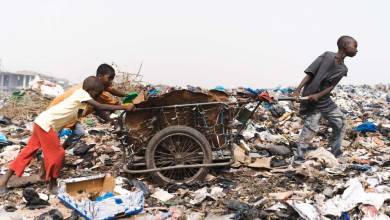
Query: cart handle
column 265, row 97
column 183, row 105
column 290, row 98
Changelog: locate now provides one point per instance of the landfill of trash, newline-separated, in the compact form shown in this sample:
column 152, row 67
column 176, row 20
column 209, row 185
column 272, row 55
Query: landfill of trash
column 264, row 182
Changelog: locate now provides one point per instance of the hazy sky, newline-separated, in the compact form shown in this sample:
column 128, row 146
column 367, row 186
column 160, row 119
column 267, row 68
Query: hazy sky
column 200, row 42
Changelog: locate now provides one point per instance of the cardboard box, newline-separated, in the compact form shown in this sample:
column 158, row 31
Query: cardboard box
column 98, row 197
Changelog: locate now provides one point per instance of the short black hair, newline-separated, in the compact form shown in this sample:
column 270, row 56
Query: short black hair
column 343, row 40
column 105, row 69
column 92, row 83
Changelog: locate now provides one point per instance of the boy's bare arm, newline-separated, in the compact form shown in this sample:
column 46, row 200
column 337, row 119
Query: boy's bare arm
column 315, row 97
column 100, row 106
column 118, row 93
column 297, row 91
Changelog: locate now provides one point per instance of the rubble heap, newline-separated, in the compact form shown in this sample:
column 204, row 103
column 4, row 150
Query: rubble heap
column 23, row 105
column 263, row 183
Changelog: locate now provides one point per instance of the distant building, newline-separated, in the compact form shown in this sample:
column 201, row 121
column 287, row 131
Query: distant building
column 10, row 82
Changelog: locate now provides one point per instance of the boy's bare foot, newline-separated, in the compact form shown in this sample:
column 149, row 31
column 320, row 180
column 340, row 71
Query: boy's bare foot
column 4, row 180
column 3, row 186
column 42, row 172
column 52, row 187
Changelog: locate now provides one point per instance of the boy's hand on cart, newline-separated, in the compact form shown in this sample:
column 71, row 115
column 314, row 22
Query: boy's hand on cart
column 129, row 107
column 313, row 98
column 295, row 94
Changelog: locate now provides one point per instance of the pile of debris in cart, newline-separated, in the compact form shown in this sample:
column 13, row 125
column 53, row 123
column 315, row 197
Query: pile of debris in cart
column 262, row 182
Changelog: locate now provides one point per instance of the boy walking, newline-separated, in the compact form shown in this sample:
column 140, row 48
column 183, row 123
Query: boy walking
column 321, row 78
column 44, row 135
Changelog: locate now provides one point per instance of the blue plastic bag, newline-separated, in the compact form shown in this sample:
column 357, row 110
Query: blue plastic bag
column 65, row 132
column 3, row 138
column 366, row 127
column 153, row 92
column 345, row 216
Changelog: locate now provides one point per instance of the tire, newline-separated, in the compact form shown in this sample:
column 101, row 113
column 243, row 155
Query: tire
column 178, row 145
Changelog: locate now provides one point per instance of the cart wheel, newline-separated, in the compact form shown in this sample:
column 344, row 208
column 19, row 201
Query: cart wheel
column 178, row 145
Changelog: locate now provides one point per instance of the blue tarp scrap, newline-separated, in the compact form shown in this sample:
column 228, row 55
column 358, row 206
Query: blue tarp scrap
column 287, row 90
column 254, row 91
column 220, row 88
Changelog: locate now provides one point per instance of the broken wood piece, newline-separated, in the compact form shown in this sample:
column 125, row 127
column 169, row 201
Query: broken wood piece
column 281, row 195
column 16, row 182
column 261, row 163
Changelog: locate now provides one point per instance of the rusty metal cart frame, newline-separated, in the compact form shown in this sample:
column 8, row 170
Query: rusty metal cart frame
column 208, row 145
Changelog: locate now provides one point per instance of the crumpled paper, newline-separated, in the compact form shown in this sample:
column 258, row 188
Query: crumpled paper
column 353, row 196
column 323, row 156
